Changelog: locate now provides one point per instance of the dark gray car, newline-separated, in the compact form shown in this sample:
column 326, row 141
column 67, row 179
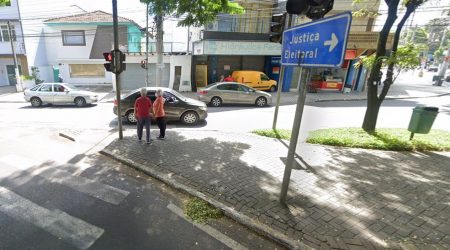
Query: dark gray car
column 177, row 107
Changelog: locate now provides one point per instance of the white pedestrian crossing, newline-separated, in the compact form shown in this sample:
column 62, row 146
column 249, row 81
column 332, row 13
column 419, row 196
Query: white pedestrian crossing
column 62, row 225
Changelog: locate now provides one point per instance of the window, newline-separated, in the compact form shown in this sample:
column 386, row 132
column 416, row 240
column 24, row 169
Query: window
column 4, row 34
column 58, row 88
column 73, row 38
column 169, row 97
column 264, row 78
column 243, row 88
column 86, row 70
column 46, row 88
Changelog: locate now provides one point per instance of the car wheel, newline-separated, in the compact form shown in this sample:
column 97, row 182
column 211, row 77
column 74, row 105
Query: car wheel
column 261, row 101
column 273, row 88
column 36, row 102
column 189, row 117
column 80, row 101
column 130, row 116
column 216, row 101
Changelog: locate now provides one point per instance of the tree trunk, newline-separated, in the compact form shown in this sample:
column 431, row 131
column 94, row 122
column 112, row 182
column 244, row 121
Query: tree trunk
column 159, row 49
column 370, row 118
column 390, row 72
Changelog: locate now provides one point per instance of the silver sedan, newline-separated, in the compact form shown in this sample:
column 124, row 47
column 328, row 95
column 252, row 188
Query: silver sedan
column 232, row 92
column 59, row 93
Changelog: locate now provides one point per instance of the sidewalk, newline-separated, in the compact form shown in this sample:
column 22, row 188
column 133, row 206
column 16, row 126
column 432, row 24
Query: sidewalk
column 341, row 198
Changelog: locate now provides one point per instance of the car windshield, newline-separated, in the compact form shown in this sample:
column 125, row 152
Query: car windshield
column 178, row 95
column 70, row 86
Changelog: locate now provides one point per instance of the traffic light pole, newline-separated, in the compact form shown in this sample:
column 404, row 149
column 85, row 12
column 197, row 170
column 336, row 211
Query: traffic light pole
column 280, row 86
column 117, row 75
column 146, row 46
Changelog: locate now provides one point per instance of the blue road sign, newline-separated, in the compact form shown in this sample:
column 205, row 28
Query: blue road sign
column 320, row 43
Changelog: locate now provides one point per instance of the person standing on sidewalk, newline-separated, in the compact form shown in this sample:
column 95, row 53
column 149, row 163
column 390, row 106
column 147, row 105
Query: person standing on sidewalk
column 142, row 112
column 158, row 110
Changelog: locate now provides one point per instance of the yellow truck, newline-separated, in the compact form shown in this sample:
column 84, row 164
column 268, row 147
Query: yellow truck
column 254, row 79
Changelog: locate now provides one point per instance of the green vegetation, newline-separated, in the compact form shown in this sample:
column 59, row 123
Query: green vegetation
column 284, row 134
column 384, row 139
column 200, row 211
column 5, row 3
column 27, row 77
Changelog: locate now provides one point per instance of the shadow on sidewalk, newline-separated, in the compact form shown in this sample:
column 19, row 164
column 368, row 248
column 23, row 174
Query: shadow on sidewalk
column 359, row 197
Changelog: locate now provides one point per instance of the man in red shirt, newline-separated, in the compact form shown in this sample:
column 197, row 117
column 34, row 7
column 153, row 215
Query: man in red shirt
column 228, row 79
column 142, row 111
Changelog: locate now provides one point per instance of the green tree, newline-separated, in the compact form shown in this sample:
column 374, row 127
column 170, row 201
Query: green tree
column 436, row 28
column 5, row 3
column 407, row 58
column 374, row 100
column 192, row 13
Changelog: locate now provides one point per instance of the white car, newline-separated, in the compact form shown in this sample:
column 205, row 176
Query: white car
column 59, row 93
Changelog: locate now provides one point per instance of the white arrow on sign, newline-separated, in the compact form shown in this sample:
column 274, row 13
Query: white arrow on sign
column 332, row 43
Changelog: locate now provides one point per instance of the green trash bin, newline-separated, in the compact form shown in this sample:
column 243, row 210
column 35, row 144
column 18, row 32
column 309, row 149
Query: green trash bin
column 422, row 120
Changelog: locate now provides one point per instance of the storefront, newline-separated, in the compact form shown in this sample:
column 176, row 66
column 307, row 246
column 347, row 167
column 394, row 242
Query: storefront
column 215, row 58
column 346, row 77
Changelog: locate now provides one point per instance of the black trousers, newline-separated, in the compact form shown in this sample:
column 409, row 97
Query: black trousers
column 161, row 121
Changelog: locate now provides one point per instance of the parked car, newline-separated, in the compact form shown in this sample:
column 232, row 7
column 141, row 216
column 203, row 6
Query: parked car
column 432, row 69
column 254, row 79
column 59, row 93
column 233, row 92
column 177, row 107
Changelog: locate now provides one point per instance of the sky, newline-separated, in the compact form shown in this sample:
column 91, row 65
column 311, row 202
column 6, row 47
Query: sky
column 430, row 10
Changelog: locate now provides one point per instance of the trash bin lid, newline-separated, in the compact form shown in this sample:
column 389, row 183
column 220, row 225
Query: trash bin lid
column 434, row 109
column 424, row 108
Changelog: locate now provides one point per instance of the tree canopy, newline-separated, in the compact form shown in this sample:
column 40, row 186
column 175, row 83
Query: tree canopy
column 5, row 2
column 193, row 13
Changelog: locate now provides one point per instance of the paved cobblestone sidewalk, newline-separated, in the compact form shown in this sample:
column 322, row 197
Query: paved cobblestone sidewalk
column 338, row 198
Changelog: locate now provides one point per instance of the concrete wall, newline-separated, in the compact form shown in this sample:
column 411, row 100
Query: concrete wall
column 185, row 63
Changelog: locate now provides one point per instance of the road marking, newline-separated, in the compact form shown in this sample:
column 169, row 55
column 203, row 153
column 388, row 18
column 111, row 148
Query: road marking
column 98, row 190
column 208, row 229
column 63, row 226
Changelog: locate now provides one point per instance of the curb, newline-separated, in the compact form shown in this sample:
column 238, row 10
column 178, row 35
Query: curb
column 230, row 212
column 387, row 98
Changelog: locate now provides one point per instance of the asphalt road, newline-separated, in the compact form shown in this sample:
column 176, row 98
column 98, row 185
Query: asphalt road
column 60, row 194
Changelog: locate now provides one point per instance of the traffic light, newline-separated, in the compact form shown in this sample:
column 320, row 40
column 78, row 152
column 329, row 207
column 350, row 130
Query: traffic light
column 109, row 57
column 313, row 9
column 119, row 61
column 277, row 27
column 318, row 8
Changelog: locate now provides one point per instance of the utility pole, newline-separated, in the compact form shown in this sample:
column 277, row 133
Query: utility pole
column 16, row 66
column 443, row 69
column 146, row 45
column 280, row 86
column 188, row 39
column 159, row 49
column 117, row 75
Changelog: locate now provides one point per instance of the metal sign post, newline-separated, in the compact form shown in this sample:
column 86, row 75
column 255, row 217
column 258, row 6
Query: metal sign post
column 321, row 43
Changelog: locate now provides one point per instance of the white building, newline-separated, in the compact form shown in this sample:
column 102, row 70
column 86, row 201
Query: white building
column 10, row 13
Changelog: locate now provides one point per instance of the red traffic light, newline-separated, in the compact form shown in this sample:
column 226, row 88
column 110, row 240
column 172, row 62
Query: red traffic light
column 108, row 56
